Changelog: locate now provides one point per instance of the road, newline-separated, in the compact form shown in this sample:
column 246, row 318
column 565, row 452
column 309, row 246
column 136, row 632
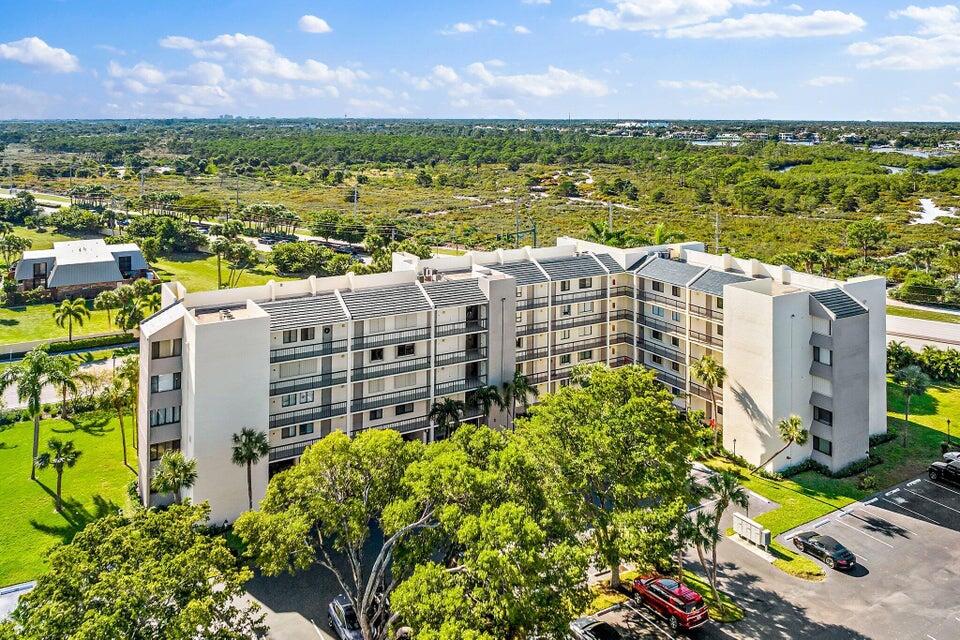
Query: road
column 917, row 333
column 49, row 394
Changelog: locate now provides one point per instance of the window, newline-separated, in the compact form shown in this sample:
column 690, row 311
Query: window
column 519, row 343
column 675, row 341
column 377, row 325
column 519, row 318
column 657, row 359
column 376, row 414
column 519, row 292
column 565, row 358
column 585, row 355
column 164, row 382
column 719, row 329
column 675, row 366
column 823, row 356
column 166, row 348
column 290, row 335
column 586, row 331
column 657, row 286
column 822, row 415
column 157, row 450
column 376, row 386
column 656, row 335
column 565, row 334
column 719, row 303
column 307, row 396
column 288, row 432
column 404, row 381
column 675, row 316
column 657, row 311
column 125, row 264
column 585, row 283
column 675, row 291
column 288, row 400
column 405, row 350
column 403, row 409
column 305, row 429
column 298, row 368
column 376, row 355
column 308, row 333
column 166, row 415
column 406, row 321
column 823, row 446
column 566, row 310
column 565, row 285
column 585, row 307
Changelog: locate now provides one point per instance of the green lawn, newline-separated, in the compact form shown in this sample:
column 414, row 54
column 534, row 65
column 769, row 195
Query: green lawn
column 97, row 485
column 35, row 322
column 198, row 271
column 923, row 314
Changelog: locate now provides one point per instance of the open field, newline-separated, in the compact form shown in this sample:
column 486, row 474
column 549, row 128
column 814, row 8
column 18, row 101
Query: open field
column 35, row 322
column 97, row 485
column 198, row 271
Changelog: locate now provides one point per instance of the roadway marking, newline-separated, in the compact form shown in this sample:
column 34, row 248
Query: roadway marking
column 864, row 533
column 890, row 493
column 900, row 506
column 870, row 501
column 821, row 523
column 653, row 623
column 940, row 486
column 913, row 482
column 934, row 501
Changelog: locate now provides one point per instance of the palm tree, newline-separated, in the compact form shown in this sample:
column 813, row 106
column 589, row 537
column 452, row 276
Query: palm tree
column 725, row 489
column 117, row 397
column 600, row 233
column 37, row 370
column 173, row 474
column 712, row 374
column 70, row 377
column 445, row 411
column 829, row 261
column 791, row 432
column 518, row 389
column 704, row 531
column 914, row 382
column 62, row 455
column 106, row 301
column 150, row 302
column 661, row 235
column 487, row 397
column 248, row 447
column 70, row 311
column 129, row 370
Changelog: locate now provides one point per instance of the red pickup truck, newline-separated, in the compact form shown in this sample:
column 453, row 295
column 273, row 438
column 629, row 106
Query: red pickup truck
column 682, row 607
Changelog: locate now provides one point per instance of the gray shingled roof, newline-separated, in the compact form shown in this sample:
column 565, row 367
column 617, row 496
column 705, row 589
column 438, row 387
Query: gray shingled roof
column 454, row 293
column 304, row 312
column 712, row 281
column 669, row 271
column 570, row 267
column 612, row 265
column 385, row 301
column 839, row 302
column 524, row 271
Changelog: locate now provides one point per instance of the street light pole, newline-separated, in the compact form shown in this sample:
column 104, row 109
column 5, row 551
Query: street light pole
column 948, row 432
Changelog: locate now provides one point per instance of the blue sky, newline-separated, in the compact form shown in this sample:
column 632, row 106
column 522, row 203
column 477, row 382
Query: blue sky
column 829, row 59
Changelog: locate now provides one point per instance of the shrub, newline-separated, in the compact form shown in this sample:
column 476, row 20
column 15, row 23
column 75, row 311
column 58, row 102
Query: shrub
column 91, row 343
column 868, row 482
column 881, row 438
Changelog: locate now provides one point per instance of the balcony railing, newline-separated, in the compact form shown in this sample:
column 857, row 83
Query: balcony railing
column 579, row 345
column 660, row 325
column 387, row 399
column 707, row 339
column 392, row 337
column 308, row 351
column 319, row 381
column 524, row 304
column 456, row 357
column 621, row 291
column 622, row 314
column 531, row 329
column 702, row 391
column 562, row 374
column 390, row 368
column 621, row 361
column 579, row 296
column 538, row 378
column 705, row 312
column 670, row 380
column 531, row 354
column 663, row 301
column 403, row 426
column 308, row 415
column 621, row 338
column 664, row 352
column 457, row 328
column 463, row 384
column 578, row 321
column 292, row 450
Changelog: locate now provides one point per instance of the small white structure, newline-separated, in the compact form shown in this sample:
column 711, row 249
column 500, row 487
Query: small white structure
column 80, row 267
column 751, row 531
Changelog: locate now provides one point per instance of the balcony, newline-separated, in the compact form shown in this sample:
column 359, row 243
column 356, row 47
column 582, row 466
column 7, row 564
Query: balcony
column 390, row 368
column 308, row 415
column 579, row 345
column 568, row 322
column 621, row 291
column 562, row 374
column 622, row 338
column 532, row 329
column 457, row 357
column 622, row 314
column 392, row 337
column 292, row 450
column 660, row 325
column 621, row 361
column 663, row 301
column 538, row 378
column 524, row 304
column 464, row 384
column 705, row 312
column 669, row 380
column 663, row 352
column 287, row 354
column 579, row 296
column 531, row 354
column 387, row 399
column 699, row 390
column 459, row 328
column 707, row 339
column 319, row 381
column 403, row 426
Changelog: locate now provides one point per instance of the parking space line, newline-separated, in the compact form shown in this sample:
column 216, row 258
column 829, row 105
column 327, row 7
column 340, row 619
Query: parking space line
column 890, row 493
column 900, row 506
column 913, row 482
column 864, row 533
column 934, row 501
column 643, row 615
column 883, row 519
column 940, row 486
column 821, row 523
column 870, row 501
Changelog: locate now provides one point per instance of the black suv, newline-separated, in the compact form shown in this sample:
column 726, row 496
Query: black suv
column 827, row 549
column 948, row 471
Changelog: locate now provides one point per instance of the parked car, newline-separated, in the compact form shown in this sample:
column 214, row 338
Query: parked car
column 950, row 456
column 832, row 553
column 946, row 471
column 592, row 629
column 682, row 607
column 342, row 619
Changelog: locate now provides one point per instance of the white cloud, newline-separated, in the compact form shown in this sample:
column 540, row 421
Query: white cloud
column 20, row 102
column 313, row 24
column 827, row 81
column 535, row 1
column 716, row 91
column 35, row 52
column 657, row 15
column 553, row 82
column 109, row 48
column 774, row 25
column 459, row 28
column 445, row 74
column 793, row 7
column 936, row 44
column 522, row 30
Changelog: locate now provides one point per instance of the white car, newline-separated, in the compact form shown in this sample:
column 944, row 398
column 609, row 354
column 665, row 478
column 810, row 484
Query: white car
column 950, row 456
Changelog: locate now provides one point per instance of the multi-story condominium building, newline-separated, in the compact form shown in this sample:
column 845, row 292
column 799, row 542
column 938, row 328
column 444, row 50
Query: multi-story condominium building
column 300, row 359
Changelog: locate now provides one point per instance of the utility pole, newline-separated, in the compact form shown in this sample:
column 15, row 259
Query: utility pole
column 238, row 192
column 356, row 196
column 609, row 216
column 516, row 223
column 141, row 183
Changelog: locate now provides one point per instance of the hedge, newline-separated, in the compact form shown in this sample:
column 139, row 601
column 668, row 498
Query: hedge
column 91, row 343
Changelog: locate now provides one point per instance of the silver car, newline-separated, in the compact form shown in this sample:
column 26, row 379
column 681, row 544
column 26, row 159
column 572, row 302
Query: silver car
column 592, row 629
column 342, row 619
